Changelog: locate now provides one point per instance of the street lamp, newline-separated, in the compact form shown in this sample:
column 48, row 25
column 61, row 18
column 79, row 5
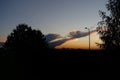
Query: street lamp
column 89, row 36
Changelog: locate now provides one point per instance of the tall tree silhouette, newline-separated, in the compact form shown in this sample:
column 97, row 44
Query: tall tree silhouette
column 24, row 37
column 109, row 27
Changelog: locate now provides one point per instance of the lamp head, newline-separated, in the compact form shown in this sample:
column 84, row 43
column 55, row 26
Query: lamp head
column 86, row 28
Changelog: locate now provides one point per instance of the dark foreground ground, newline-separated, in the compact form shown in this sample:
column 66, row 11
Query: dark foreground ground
column 34, row 63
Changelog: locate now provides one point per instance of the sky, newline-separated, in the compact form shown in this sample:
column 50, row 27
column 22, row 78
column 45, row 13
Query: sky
column 51, row 16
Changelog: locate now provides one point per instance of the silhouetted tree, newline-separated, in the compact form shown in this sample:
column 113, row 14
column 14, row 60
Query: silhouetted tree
column 25, row 38
column 109, row 27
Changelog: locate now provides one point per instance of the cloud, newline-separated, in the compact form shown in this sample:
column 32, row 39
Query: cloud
column 1, row 44
column 77, row 34
column 50, row 37
column 57, row 42
column 56, row 39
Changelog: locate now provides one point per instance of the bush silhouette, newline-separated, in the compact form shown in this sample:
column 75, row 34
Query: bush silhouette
column 25, row 38
column 109, row 27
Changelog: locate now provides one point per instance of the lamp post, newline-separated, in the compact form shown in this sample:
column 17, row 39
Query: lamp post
column 89, row 36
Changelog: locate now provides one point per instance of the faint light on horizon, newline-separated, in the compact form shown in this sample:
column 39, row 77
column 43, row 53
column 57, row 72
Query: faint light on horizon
column 3, row 39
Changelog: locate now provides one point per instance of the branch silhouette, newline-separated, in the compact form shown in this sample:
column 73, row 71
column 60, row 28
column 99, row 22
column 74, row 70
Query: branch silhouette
column 109, row 27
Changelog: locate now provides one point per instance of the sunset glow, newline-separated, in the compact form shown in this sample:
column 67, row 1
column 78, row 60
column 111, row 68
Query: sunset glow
column 82, row 43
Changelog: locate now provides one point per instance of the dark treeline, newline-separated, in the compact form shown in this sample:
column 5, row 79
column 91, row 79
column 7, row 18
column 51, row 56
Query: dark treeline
column 30, row 63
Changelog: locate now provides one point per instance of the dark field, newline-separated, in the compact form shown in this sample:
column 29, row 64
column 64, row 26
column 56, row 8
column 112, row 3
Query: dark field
column 33, row 63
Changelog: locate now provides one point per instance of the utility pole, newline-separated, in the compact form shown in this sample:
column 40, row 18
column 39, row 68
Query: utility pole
column 89, row 36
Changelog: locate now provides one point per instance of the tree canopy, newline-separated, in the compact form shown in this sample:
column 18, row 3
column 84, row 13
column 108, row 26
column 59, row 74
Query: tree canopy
column 24, row 37
column 109, row 27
